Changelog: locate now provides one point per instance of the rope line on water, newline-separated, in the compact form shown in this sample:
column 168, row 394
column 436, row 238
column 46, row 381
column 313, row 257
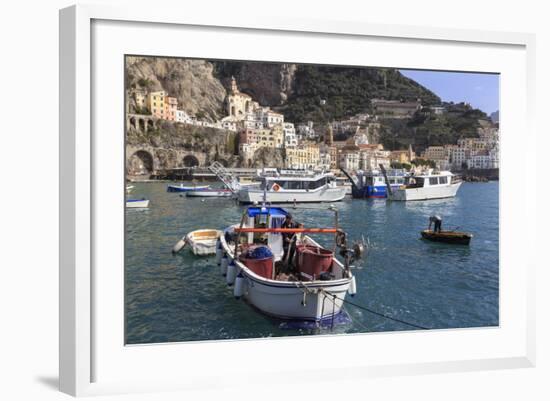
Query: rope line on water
column 376, row 313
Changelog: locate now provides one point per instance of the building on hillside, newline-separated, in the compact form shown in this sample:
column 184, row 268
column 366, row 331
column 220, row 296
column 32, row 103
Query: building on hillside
column 290, row 135
column 248, row 136
column 170, row 108
column 271, row 138
column 229, row 124
column 306, row 131
column 437, row 109
column 434, row 153
column 140, row 100
column 182, row 117
column 395, row 108
column 237, row 103
column 305, row 156
column 155, row 103
column 402, row 156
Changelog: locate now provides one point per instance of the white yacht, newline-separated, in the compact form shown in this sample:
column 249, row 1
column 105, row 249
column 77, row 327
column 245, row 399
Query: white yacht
column 431, row 185
column 293, row 186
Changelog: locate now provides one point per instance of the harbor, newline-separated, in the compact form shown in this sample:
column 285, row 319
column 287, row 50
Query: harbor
column 403, row 282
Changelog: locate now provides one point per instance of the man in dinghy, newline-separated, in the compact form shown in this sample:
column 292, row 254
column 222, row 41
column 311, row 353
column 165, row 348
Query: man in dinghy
column 436, row 220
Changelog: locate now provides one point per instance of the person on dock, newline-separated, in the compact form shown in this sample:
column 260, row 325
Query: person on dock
column 436, row 220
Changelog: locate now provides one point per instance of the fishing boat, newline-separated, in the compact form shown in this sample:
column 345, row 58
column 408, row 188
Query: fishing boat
column 449, row 237
column 429, row 185
column 184, row 188
column 201, row 242
column 137, row 203
column 307, row 283
column 129, row 188
column 210, row 193
column 372, row 184
column 293, row 186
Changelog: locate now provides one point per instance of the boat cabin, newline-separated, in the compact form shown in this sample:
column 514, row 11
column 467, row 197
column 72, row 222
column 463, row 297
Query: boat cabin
column 308, row 183
column 430, row 180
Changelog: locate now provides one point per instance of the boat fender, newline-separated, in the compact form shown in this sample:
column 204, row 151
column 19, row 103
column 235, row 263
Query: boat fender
column 352, row 289
column 231, row 273
column 179, row 245
column 239, row 286
column 223, row 265
column 219, row 253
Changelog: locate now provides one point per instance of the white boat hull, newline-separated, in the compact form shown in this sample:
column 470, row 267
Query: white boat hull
column 207, row 193
column 137, row 204
column 323, row 194
column 425, row 193
column 292, row 300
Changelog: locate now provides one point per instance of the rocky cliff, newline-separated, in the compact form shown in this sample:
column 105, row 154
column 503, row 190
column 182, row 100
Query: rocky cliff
column 192, row 82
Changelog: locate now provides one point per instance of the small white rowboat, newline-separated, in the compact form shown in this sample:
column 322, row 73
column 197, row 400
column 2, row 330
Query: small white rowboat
column 202, row 242
column 137, row 203
column 210, row 193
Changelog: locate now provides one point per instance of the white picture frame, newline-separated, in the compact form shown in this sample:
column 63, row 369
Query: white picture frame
column 82, row 344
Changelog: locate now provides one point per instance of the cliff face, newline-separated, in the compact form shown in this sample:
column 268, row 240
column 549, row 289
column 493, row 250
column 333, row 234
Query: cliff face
column 192, row 82
column 268, row 83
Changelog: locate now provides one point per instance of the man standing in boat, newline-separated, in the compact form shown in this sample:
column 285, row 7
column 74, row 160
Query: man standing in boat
column 437, row 223
column 287, row 237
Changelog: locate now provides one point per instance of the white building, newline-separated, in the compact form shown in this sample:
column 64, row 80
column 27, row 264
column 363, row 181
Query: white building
column 290, row 135
column 182, row 117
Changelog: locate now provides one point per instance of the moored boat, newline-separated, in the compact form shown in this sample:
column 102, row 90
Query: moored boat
column 431, row 185
column 449, row 237
column 306, row 282
column 186, row 188
column 201, row 242
column 210, row 193
column 293, row 186
column 137, row 203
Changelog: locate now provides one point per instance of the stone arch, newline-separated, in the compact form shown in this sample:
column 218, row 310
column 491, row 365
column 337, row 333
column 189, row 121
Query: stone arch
column 142, row 124
column 141, row 163
column 150, row 124
column 190, row 161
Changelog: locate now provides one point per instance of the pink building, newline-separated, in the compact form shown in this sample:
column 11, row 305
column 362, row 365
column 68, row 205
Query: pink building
column 171, row 107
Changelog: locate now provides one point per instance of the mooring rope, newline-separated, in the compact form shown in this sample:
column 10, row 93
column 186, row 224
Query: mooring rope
column 374, row 312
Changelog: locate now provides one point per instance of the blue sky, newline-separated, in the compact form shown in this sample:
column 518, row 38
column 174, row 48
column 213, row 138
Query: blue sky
column 480, row 90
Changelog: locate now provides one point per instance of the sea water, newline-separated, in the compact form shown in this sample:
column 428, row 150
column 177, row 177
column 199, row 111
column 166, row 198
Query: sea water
column 184, row 298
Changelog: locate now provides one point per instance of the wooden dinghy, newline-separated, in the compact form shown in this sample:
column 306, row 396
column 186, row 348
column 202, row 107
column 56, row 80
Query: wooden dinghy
column 202, row 242
column 448, row 237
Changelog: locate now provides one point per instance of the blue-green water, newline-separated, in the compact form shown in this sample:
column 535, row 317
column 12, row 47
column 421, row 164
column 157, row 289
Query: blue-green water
column 183, row 297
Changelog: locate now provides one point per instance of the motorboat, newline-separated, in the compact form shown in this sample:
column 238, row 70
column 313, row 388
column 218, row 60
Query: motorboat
column 186, row 188
column 210, row 193
column 201, row 242
column 448, row 237
column 293, row 186
column 305, row 283
column 137, row 203
column 429, row 185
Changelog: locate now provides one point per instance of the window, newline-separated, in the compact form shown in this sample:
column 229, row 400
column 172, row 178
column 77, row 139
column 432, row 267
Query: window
column 443, row 180
column 433, row 180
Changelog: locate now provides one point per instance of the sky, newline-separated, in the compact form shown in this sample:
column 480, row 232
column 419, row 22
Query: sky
column 480, row 90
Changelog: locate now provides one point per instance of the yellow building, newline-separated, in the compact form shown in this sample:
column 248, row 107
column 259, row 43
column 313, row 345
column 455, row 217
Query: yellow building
column 271, row 138
column 156, row 103
column 303, row 157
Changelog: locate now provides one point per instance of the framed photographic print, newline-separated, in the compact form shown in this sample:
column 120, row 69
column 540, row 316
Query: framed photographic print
column 350, row 188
